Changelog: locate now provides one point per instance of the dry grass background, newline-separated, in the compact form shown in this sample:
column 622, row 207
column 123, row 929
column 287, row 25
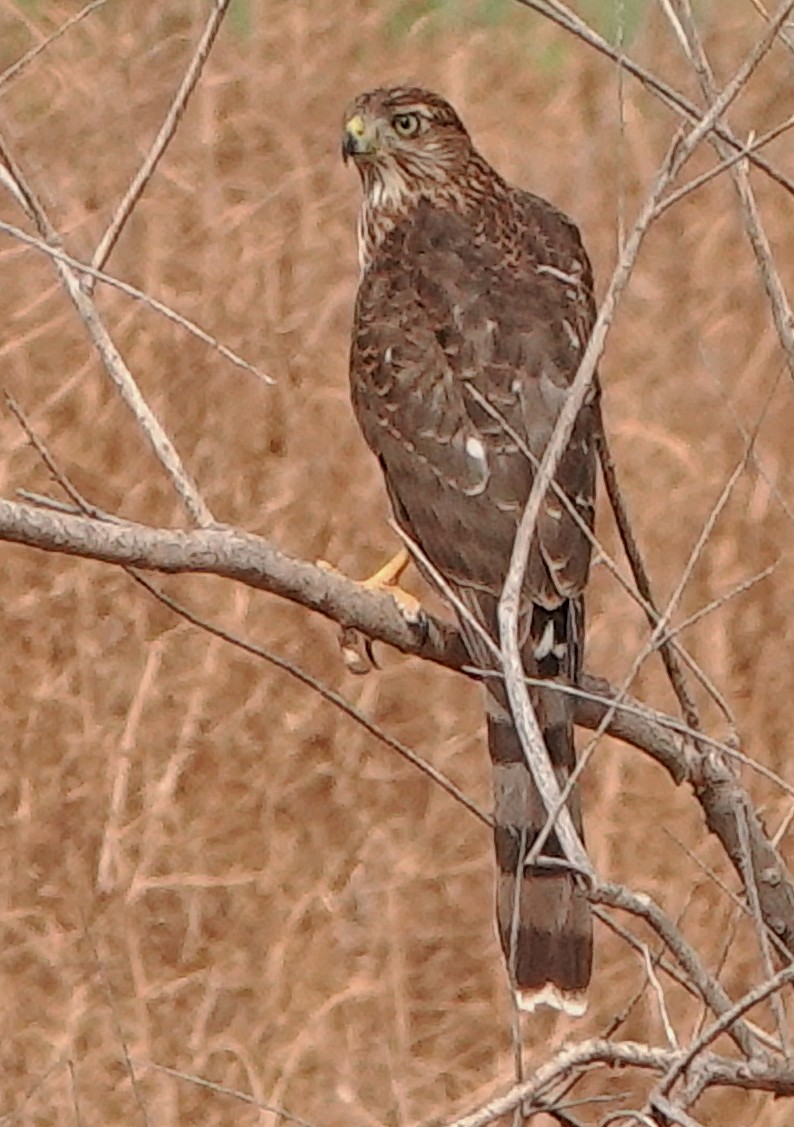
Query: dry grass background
column 204, row 865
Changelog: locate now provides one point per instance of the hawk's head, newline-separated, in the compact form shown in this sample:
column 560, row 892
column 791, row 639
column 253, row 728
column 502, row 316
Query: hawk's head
column 405, row 142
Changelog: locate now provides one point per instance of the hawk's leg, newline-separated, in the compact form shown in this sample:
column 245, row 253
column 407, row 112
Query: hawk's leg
column 387, row 579
column 356, row 647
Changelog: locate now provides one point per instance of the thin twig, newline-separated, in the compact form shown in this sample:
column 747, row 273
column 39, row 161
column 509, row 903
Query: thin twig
column 759, row 7
column 672, row 1113
column 656, row 986
column 753, row 144
column 750, row 999
column 138, row 295
column 323, row 691
column 720, row 601
column 12, row 72
column 642, row 906
column 672, row 971
column 74, row 1093
column 223, row 1090
column 563, row 16
column 129, row 1067
column 770, row 276
column 163, row 138
column 185, row 486
column 633, row 554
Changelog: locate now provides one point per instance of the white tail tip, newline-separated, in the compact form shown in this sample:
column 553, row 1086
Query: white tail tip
column 571, row 1002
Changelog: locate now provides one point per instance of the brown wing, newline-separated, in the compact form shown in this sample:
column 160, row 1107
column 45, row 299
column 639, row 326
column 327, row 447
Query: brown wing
column 461, row 360
column 442, row 323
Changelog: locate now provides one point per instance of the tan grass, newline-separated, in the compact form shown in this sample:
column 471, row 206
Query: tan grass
column 202, row 862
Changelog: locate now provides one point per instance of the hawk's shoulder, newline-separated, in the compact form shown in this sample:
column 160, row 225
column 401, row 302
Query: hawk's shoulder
column 553, row 243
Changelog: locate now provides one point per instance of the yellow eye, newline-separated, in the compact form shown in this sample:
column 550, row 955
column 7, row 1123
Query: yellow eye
column 405, row 124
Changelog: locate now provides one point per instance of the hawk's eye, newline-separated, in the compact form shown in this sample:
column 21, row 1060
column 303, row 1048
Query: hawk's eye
column 406, row 124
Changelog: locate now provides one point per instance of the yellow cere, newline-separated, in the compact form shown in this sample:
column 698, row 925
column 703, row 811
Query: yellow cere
column 356, row 126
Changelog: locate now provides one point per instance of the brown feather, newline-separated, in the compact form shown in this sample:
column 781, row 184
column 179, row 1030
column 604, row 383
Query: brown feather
column 474, row 307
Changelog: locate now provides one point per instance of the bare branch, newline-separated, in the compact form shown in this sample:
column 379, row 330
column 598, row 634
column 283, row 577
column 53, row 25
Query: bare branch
column 253, row 561
column 712, row 1070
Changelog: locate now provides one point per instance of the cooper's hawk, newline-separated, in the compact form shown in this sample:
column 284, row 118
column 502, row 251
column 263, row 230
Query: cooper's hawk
column 473, row 311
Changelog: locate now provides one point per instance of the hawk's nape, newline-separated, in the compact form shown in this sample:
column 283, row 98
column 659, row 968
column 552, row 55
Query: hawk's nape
column 473, row 310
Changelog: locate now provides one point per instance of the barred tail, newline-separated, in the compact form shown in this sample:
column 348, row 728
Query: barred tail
column 543, row 918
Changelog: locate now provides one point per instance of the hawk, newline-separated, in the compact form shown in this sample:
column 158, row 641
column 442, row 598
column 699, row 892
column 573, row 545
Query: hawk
column 473, row 311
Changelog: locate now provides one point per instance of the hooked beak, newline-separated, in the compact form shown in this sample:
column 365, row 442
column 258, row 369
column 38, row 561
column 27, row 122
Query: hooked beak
column 360, row 138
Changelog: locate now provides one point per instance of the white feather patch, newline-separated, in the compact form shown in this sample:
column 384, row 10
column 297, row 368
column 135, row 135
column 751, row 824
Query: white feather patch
column 476, row 451
column 573, row 1002
column 546, row 643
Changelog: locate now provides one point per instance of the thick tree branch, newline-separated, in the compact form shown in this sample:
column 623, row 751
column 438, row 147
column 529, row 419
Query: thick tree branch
column 237, row 555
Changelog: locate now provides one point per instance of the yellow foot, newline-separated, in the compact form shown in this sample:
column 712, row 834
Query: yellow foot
column 356, row 647
column 387, row 579
column 392, row 571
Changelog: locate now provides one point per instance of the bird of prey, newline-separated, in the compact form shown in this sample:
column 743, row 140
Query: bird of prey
column 473, row 311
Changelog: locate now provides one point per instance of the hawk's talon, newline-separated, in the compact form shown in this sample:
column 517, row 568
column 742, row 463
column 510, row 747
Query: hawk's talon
column 357, row 647
column 391, row 573
column 357, row 651
column 410, row 608
column 386, row 581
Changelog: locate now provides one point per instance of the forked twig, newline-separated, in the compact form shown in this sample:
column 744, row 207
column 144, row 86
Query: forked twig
column 750, row 999
column 709, row 990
